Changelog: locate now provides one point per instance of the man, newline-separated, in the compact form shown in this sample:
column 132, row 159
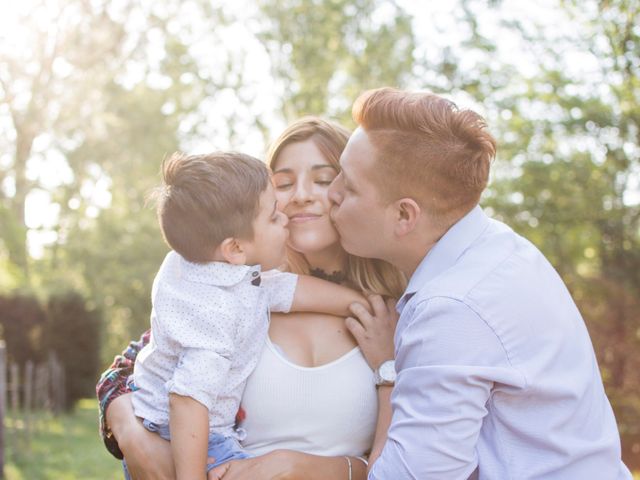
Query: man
column 496, row 374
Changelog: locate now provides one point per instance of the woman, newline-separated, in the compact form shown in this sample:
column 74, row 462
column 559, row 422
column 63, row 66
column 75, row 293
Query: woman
column 310, row 406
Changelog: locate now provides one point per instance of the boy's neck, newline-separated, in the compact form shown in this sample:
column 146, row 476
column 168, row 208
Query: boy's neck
column 218, row 257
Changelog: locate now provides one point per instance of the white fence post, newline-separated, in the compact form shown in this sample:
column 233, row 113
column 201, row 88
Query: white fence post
column 41, row 387
column 28, row 397
column 3, row 402
column 15, row 386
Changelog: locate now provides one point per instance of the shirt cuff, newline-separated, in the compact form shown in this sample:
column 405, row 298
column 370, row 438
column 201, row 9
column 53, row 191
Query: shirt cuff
column 281, row 288
column 199, row 396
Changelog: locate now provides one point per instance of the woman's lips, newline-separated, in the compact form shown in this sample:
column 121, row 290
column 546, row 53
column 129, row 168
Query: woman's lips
column 303, row 217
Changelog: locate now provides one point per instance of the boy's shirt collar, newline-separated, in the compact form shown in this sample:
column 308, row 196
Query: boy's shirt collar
column 219, row 274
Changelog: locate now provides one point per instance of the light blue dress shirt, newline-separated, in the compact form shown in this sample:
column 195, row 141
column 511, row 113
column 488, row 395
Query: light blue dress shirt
column 496, row 371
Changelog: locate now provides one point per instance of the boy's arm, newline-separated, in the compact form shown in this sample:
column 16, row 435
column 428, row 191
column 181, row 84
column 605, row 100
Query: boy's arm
column 192, row 393
column 316, row 295
column 189, row 424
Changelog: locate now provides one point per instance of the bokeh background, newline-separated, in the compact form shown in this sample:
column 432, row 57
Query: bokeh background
column 94, row 94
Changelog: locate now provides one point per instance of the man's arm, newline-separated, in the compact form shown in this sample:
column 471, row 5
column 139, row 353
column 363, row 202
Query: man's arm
column 448, row 360
column 374, row 333
column 189, row 424
column 382, row 426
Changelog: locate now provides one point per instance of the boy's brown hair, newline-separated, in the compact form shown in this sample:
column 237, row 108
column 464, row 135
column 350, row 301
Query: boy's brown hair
column 427, row 149
column 207, row 198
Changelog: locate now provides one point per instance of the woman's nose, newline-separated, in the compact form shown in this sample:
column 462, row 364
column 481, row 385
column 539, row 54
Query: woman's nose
column 302, row 193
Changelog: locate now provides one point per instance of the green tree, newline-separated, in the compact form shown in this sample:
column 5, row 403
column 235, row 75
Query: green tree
column 119, row 101
column 325, row 53
column 21, row 319
column 573, row 147
column 72, row 332
column 44, row 90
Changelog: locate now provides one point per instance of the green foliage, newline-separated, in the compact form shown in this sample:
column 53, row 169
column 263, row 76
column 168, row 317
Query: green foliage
column 325, row 53
column 21, row 318
column 119, row 252
column 65, row 327
column 72, row 332
column 44, row 90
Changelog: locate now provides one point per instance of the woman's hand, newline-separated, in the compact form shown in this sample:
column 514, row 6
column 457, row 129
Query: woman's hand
column 289, row 465
column 276, row 465
column 374, row 333
column 148, row 456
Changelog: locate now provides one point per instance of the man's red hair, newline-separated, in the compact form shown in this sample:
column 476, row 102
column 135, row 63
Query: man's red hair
column 427, row 149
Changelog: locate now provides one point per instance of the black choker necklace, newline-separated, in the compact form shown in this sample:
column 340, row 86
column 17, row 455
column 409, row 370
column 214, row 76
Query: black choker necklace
column 336, row 277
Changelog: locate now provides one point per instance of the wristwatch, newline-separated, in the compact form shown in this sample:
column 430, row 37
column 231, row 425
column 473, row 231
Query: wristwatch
column 385, row 374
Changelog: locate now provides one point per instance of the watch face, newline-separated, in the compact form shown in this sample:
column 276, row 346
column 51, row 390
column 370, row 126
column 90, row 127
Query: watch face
column 388, row 371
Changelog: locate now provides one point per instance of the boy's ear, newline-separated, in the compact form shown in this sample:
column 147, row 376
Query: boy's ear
column 407, row 213
column 232, row 251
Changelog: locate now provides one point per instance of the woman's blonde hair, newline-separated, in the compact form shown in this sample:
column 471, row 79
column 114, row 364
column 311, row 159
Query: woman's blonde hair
column 368, row 275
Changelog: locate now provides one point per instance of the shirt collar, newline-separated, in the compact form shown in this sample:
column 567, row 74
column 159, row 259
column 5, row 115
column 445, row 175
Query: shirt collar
column 446, row 251
column 219, row 274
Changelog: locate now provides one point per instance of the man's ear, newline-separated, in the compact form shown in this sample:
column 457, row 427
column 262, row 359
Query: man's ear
column 407, row 213
column 232, row 251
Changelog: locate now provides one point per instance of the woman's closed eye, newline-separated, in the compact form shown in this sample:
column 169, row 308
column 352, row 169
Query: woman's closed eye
column 282, row 181
column 324, row 178
column 286, row 185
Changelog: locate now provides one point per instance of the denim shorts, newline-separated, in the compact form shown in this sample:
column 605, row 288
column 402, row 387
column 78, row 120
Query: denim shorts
column 223, row 449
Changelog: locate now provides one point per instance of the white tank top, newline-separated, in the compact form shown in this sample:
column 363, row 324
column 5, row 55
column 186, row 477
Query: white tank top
column 326, row 410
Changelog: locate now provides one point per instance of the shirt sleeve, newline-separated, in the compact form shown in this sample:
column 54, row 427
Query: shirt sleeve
column 448, row 360
column 200, row 374
column 281, row 287
column 205, row 341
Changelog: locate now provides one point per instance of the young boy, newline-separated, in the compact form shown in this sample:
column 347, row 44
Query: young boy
column 211, row 303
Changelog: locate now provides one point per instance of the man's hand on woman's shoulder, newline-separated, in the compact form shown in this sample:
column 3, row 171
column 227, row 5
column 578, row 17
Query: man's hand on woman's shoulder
column 374, row 332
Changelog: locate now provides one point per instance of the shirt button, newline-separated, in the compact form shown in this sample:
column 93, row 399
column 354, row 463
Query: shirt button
column 255, row 274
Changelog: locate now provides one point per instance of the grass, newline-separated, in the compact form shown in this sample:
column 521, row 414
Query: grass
column 66, row 447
